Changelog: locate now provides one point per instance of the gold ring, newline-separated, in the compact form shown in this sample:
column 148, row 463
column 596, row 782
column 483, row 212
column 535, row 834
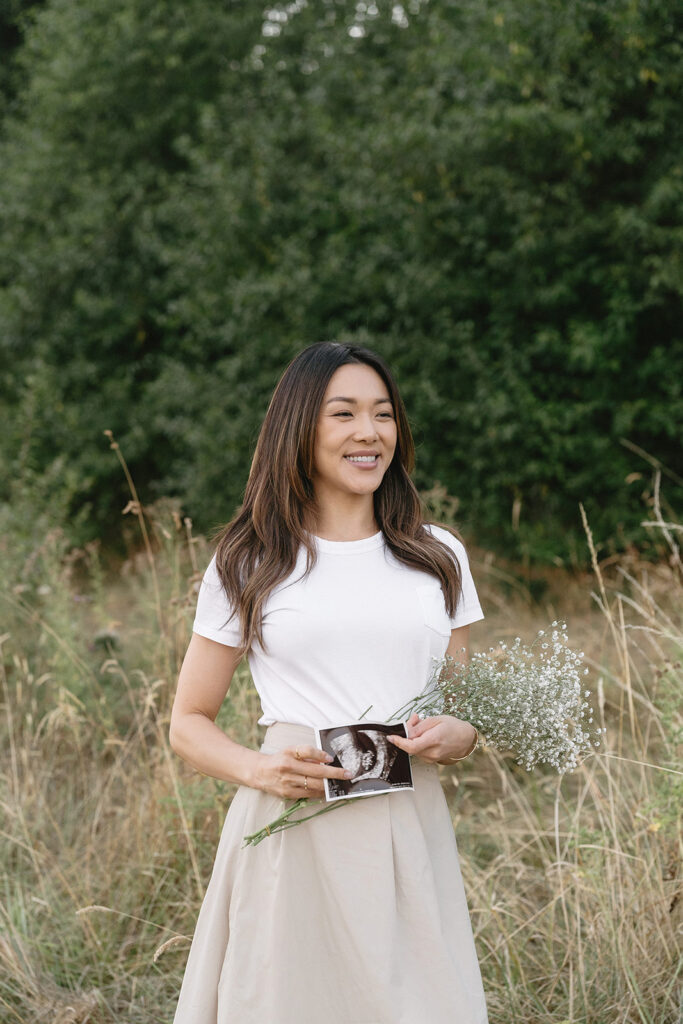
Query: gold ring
column 297, row 755
column 305, row 782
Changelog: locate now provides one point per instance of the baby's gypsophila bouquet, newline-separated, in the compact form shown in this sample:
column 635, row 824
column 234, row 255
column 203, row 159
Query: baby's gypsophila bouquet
column 525, row 700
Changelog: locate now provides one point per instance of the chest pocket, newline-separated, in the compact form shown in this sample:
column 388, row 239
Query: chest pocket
column 433, row 608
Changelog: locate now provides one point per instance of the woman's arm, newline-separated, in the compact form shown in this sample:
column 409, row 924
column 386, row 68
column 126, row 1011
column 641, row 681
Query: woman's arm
column 205, row 677
column 441, row 738
column 459, row 644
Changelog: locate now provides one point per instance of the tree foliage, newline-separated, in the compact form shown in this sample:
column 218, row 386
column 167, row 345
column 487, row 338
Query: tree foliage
column 489, row 193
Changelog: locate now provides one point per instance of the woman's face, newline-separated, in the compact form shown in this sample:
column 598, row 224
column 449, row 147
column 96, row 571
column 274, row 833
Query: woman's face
column 355, row 437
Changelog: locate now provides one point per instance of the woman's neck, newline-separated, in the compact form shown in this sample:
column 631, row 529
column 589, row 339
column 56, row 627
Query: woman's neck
column 352, row 521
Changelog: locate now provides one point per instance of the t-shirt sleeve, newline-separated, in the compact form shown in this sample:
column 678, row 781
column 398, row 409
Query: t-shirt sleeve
column 469, row 608
column 214, row 617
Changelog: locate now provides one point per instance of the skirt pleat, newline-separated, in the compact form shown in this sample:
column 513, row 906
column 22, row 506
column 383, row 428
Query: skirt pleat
column 356, row 917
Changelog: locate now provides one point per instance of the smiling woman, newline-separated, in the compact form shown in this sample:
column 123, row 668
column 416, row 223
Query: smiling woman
column 322, row 579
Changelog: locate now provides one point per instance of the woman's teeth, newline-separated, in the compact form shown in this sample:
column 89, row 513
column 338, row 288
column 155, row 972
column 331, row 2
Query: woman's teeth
column 361, row 458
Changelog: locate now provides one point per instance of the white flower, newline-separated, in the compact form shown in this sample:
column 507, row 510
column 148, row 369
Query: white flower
column 526, row 699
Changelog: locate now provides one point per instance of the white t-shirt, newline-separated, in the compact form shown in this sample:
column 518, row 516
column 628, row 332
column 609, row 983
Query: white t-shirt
column 360, row 629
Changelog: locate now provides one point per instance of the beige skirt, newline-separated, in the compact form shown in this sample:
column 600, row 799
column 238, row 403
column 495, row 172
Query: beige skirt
column 356, row 917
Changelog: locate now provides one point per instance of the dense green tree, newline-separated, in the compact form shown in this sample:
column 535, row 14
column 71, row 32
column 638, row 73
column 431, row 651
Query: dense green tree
column 487, row 192
column 14, row 15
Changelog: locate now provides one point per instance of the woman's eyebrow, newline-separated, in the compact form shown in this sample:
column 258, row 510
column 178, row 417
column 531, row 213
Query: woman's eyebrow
column 354, row 401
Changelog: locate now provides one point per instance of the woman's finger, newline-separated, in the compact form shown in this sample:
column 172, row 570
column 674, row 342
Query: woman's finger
column 424, row 725
column 402, row 742
column 308, row 753
column 319, row 771
column 310, row 786
column 411, row 723
column 293, row 787
column 417, row 745
column 297, row 786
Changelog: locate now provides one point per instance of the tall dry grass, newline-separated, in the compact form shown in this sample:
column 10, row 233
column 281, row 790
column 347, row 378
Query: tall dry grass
column 107, row 839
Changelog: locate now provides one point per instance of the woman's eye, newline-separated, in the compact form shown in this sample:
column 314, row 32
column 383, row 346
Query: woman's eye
column 380, row 415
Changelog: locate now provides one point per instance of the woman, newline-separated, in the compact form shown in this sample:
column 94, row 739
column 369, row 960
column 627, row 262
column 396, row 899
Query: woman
column 342, row 597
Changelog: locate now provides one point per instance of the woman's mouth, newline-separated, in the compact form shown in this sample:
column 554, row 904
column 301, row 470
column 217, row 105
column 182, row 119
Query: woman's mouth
column 364, row 461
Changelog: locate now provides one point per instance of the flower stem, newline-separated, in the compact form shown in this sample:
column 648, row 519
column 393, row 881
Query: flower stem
column 285, row 820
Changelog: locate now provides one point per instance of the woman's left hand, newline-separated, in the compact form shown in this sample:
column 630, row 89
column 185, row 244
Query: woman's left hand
column 440, row 738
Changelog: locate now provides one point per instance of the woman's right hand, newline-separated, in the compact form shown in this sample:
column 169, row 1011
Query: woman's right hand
column 296, row 772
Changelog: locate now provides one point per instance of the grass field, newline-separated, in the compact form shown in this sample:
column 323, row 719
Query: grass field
column 107, row 839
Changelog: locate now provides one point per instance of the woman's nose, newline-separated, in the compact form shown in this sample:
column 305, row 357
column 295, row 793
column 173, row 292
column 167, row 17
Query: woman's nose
column 366, row 426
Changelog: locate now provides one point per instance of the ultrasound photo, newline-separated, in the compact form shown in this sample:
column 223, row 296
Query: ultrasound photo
column 377, row 766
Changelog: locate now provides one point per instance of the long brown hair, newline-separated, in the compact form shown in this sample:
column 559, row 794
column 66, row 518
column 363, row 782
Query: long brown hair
column 258, row 548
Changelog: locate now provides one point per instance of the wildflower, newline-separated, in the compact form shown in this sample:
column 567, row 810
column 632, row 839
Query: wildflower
column 548, row 721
